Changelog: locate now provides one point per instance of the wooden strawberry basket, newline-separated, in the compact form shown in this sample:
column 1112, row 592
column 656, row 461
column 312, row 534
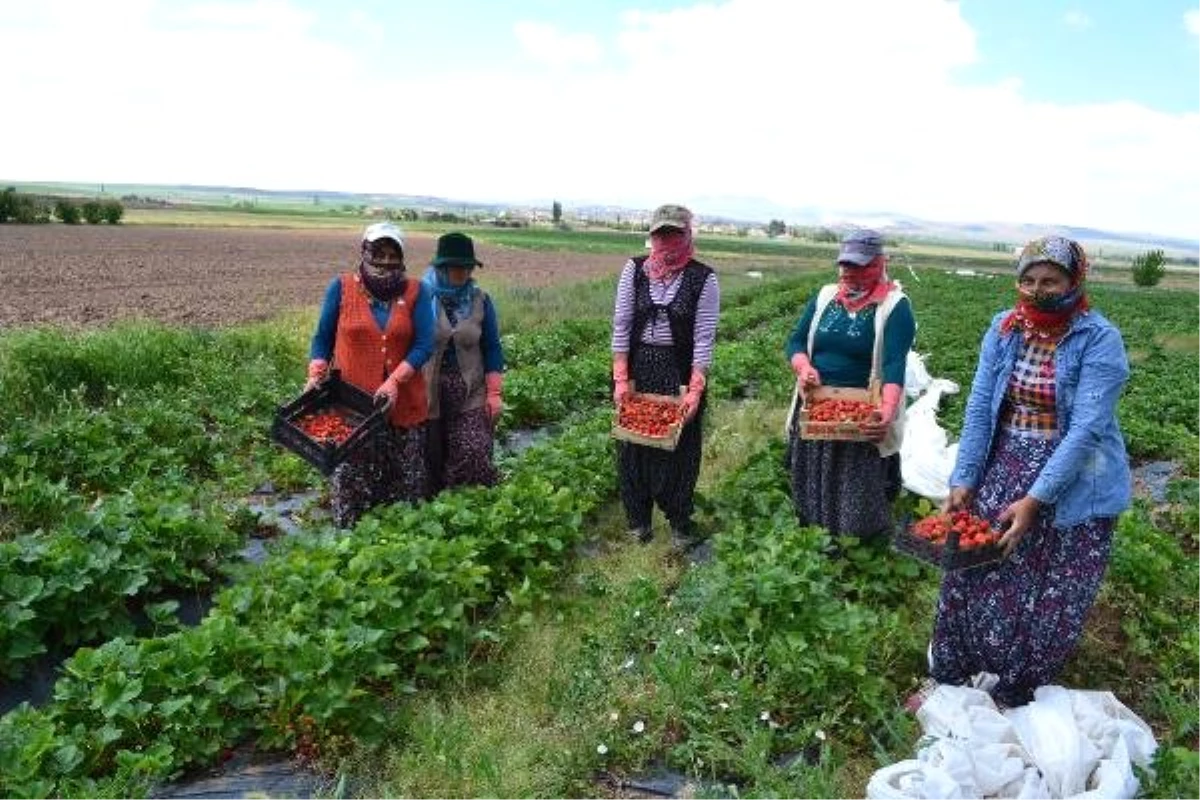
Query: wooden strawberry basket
column 843, row 430
column 653, row 420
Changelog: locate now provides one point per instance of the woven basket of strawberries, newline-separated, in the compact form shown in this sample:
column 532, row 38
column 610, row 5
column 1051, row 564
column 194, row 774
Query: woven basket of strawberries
column 836, row 412
column 655, row 420
column 957, row 540
column 327, row 423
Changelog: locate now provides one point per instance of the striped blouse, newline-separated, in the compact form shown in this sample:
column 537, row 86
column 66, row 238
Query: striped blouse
column 658, row 332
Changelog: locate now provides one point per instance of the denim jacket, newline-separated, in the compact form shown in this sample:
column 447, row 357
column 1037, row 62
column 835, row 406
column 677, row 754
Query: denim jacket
column 1088, row 474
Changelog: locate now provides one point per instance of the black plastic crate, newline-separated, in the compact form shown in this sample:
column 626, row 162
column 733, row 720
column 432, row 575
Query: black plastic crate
column 353, row 404
column 948, row 556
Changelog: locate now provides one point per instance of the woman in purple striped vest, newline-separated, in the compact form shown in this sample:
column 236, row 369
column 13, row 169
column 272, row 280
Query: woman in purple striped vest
column 664, row 327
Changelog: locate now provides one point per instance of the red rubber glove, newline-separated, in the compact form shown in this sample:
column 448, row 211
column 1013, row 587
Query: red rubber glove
column 890, row 403
column 318, row 373
column 389, row 391
column 620, row 372
column 806, row 373
column 691, row 398
column 495, row 382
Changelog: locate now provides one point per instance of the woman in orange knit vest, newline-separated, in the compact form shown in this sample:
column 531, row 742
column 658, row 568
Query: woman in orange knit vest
column 376, row 327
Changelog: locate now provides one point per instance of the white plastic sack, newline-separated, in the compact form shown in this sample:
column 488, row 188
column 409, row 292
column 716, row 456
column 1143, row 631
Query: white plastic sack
column 1084, row 743
column 1065, row 744
column 926, row 457
column 916, row 376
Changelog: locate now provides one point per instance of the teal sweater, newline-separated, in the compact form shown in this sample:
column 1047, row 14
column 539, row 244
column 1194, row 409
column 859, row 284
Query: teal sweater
column 843, row 345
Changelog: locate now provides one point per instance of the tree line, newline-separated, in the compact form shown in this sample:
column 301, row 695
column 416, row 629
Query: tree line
column 34, row 208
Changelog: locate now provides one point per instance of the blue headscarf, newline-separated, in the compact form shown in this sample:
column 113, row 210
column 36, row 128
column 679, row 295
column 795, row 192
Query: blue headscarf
column 455, row 299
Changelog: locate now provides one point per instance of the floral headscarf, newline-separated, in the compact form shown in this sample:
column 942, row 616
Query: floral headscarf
column 1048, row 317
column 384, row 283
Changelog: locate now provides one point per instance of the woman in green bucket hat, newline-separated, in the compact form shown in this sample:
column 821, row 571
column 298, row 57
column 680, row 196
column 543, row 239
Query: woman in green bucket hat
column 465, row 375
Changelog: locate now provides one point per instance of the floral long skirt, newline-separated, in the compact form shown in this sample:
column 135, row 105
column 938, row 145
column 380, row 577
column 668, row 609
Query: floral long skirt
column 651, row 475
column 845, row 487
column 390, row 467
column 460, row 443
column 1019, row 619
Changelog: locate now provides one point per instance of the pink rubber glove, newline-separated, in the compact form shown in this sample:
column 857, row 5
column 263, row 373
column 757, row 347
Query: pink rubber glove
column 891, row 401
column 318, row 372
column 806, row 373
column 691, row 398
column 495, row 382
column 620, row 377
column 389, row 391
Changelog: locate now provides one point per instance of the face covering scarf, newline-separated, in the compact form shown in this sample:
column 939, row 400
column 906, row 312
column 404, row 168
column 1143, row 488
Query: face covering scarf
column 859, row 287
column 669, row 255
column 1045, row 316
column 384, row 283
column 455, row 299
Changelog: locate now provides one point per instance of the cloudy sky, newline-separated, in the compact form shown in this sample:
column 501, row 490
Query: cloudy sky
column 1061, row 113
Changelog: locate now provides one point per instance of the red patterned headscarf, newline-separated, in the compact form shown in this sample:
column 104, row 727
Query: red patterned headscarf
column 669, row 253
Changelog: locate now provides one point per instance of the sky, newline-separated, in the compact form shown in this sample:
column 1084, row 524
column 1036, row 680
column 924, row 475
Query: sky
column 1021, row 111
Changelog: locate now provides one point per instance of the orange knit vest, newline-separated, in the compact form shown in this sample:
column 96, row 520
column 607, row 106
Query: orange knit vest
column 366, row 356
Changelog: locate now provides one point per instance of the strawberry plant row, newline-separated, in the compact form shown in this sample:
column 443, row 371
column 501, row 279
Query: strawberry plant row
column 326, row 629
column 75, row 584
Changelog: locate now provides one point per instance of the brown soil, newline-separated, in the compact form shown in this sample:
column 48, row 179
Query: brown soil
column 88, row 276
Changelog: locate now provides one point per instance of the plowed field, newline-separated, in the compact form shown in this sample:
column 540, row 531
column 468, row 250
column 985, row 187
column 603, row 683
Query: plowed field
column 84, row 275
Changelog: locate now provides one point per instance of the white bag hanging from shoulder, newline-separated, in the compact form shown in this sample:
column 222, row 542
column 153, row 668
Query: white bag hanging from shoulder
column 926, row 458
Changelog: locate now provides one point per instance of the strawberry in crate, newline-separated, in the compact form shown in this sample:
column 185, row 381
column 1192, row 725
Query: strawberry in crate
column 835, row 410
column 326, row 427
column 648, row 416
column 973, row 532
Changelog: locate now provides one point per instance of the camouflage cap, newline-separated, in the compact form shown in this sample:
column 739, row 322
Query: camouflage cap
column 670, row 216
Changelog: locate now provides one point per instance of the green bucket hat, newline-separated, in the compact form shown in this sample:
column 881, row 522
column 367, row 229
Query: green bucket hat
column 455, row 250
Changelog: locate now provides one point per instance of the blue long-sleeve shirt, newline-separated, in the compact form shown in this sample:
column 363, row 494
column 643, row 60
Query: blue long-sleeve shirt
column 422, row 313
column 489, row 339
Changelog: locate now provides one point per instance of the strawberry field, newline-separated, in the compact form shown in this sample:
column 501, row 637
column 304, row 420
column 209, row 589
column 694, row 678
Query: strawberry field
column 778, row 667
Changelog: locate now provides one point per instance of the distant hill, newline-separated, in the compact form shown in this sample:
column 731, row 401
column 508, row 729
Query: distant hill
column 733, row 210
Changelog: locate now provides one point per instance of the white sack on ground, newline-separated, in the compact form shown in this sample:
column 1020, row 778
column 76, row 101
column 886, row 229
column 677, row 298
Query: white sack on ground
column 1065, row 744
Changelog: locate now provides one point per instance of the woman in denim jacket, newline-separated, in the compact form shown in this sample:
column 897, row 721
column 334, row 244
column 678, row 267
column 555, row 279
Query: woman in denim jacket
column 1041, row 457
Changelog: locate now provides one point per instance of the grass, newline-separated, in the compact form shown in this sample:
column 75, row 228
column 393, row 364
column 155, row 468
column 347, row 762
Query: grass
column 192, row 218
column 1179, row 342
column 527, row 724
column 523, row 724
